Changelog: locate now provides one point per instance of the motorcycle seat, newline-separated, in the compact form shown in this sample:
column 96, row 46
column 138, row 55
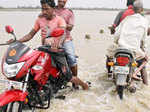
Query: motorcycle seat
column 124, row 51
column 47, row 49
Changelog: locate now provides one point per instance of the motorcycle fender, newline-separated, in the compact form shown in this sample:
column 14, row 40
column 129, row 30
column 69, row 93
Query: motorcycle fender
column 11, row 96
column 121, row 79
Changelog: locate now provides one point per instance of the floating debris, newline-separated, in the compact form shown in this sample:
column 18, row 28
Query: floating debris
column 101, row 31
column 87, row 36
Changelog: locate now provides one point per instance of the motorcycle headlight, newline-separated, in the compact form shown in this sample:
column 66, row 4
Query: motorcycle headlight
column 11, row 70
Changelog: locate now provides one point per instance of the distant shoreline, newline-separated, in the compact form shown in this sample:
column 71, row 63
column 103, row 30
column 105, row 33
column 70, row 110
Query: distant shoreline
column 38, row 9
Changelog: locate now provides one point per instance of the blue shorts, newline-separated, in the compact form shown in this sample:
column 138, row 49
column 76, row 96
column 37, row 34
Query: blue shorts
column 70, row 51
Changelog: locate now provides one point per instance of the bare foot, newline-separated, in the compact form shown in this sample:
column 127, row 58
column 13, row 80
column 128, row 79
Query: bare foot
column 85, row 86
column 77, row 81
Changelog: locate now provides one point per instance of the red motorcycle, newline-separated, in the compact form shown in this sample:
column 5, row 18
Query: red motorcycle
column 34, row 75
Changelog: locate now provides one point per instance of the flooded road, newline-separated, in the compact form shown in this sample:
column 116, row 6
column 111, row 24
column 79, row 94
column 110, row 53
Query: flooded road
column 101, row 97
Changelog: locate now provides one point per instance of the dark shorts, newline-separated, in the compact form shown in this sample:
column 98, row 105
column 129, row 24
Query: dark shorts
column 68, row 77
column 140, row 62
column 59, row 61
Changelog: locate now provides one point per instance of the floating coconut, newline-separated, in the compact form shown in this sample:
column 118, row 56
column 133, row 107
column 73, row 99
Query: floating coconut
column 101, row 31
column 87, row 36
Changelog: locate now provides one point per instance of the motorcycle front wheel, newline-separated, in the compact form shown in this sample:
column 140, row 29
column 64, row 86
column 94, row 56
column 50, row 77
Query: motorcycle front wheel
column 12, row 107
column 3, row 109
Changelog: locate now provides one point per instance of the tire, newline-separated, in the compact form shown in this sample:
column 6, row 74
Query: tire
column 12, row 107
column 3, row 109
column 120, row 91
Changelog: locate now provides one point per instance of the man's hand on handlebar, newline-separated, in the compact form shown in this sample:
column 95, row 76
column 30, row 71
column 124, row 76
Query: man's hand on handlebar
column 53, row 42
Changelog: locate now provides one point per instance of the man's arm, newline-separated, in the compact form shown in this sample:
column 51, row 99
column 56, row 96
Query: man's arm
column 116, row 22
column 71, row 21
column 28, row 37
column 117, row 19
column 148, row 32
column 69, row 27
column 31, row 34
column 117, row 34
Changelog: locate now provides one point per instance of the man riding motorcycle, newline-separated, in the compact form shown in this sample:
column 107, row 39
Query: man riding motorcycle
column 122, row 15
column 131, row 34
column 49, row 21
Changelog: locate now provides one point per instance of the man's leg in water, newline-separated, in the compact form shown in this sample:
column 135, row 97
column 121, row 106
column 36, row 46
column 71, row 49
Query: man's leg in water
column 144, row 76
column 70, row 50
column 77, row 81
column 143, row 71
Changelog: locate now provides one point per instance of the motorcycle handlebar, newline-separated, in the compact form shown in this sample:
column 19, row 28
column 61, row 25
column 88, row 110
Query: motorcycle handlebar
column 4, row 44
column 49, row 46
column 8, row 42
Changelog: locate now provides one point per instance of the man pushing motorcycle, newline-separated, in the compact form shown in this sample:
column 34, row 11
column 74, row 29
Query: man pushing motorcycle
column 68, row 16
column 131, row 34
column 47, row 22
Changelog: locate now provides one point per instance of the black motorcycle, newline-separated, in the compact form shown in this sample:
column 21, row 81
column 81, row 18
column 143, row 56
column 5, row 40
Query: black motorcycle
column 121, row 68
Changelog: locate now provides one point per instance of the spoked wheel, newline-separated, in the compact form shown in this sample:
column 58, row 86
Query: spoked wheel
column 15, row 107
column 12, row 107
column 120, row 91
column 3, row 109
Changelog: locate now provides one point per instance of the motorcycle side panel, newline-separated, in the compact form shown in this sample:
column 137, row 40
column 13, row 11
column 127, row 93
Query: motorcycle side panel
column 30, row 59
column 11, row 96
column 29, row 55
column 42, row 75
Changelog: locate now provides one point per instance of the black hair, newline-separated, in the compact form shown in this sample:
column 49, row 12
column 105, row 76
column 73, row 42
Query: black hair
column 130, row 2
column 51, row 3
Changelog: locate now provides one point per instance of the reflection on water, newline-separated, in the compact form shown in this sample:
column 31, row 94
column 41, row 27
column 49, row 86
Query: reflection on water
column 102, row 96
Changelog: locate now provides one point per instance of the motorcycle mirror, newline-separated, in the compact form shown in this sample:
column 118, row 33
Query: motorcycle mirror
column 57, row 32
column 9, row 29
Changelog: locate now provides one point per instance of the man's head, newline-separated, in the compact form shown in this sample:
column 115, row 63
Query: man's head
column 47, row 8
column 61, row 3
column 138, row 6
column 130, row 2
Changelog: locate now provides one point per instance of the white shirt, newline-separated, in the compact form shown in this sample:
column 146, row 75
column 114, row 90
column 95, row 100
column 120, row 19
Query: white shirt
column 131, row 32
